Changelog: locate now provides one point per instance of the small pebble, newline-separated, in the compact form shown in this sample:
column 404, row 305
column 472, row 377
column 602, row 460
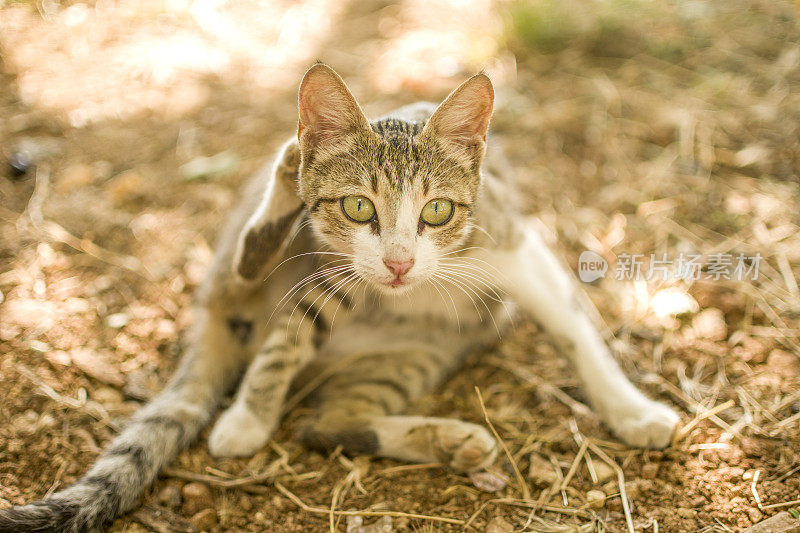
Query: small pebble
column 278, row 503
column 697, row 502
column 783, row 363
column 58, row 358
column 637, row 486
column 39, row 346
column 205, row 519
column 196, row 497
column 355, row 524
column 498, row 524
column 46, row 421
column 107, row 396
column 488, row 481
column 541, row 471
column 603, row 471
column 782, row 522
column 596, row 499
column 26, row 423
column 19, row 164
column 170, row 496
column 117, row 320
column 755, row 515
column 710, row 324
column 245, row 503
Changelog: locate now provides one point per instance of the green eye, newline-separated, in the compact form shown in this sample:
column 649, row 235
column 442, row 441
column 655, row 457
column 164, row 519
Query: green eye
column 437, row 212
column 358, row 208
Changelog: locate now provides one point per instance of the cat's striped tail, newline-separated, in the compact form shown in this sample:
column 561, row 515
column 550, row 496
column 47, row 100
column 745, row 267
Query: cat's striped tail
column 131, row 463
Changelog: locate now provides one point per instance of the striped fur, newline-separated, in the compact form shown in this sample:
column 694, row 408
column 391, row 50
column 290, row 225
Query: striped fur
column 335, row 309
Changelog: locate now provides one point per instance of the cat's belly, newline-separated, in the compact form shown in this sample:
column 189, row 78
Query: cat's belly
column 417, row 323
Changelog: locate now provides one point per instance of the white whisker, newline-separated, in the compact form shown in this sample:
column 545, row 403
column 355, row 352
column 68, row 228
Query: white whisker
column 464, row 259
column 482, row 229
column 305, row 223
column 469, row 286
column 465, row 250
column 456, row 284
column 442, row 297
column 325, row 281
column 478, row 274
column 318, row 252
column 333, row 291
column 328, row 294
column 333, row 271
column 344, row 297
column 450, row 296
column 308, row 279
column 472, row 272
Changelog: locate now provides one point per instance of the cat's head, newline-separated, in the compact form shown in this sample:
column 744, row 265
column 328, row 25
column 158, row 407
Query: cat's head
column 396, row 196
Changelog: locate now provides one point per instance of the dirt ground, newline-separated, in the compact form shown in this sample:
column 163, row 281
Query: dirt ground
column 632, row 127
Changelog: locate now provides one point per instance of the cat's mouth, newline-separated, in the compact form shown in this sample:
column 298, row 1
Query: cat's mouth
column 387, row 283
column 398, row 285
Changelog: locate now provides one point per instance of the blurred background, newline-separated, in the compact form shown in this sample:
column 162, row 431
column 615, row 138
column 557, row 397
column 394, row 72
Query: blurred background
column 128, row 127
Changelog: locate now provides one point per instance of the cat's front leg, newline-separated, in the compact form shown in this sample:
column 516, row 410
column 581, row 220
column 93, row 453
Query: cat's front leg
column 250, row 421
column 538, row 283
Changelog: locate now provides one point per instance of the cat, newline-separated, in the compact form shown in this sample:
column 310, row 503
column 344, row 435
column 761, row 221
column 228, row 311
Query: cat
column 377, row 253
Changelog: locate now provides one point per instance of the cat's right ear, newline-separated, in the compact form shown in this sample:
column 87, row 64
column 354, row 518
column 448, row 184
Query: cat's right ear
column 328, row 112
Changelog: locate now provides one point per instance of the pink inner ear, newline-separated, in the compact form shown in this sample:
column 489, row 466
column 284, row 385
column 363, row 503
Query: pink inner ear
column 463, row 117
column 468, row 123
column 316, row 110
column 326, row 107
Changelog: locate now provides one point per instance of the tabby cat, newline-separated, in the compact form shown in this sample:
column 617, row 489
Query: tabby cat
column 376, row 253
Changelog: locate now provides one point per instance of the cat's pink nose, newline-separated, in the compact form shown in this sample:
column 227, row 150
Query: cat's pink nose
column 399, row 268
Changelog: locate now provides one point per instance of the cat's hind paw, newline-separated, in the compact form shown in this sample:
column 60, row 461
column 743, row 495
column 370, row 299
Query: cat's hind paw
column 238, row 433
column 468, row 446
column 650, row 426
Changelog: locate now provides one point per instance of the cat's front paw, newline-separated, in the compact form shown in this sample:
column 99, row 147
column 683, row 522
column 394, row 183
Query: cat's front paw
column 649, row 425
column 238, row 433
column 468, row 446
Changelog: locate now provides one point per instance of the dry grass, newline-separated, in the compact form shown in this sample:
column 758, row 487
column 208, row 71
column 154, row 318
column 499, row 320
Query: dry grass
column 631, row 127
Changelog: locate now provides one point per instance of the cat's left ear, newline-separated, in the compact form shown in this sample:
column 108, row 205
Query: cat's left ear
column 328, row 111
column 462, row 119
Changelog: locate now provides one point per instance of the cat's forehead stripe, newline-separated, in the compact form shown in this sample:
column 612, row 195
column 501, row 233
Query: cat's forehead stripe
column 389, row 126
column 396, row 157
column 396, row 160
